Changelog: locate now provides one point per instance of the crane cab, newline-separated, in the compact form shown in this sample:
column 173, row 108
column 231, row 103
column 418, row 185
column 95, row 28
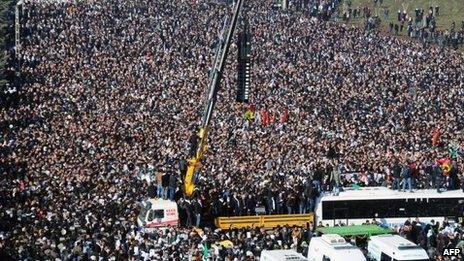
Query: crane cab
column 158, row 213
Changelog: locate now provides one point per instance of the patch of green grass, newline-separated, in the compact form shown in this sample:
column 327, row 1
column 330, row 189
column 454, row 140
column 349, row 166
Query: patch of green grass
column 450, row 10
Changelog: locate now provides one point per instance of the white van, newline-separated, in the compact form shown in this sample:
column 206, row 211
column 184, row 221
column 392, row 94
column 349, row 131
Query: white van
column 158, row 213
column 281, row 255
column 394, row 247
column 332, row 247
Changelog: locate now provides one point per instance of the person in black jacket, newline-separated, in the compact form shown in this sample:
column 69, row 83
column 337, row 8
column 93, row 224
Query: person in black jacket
column 197, row 210
column 396, row 173
column 182, row 167
column 310, row 195
column 165, row 184
column 188, row 211
column 193, row 140
column 317, row 178
column 438, row 174
column 151, row 190
column 172, row 186
column 406, row 173
column 430, row 176
column 453, row 177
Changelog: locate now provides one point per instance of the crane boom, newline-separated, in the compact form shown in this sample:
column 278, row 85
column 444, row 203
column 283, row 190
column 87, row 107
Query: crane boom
column 213, row 87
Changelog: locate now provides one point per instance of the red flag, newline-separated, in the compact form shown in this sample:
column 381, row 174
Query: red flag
column 273, row 117
column 443, row 161
column 445, row 164
column 265, row 117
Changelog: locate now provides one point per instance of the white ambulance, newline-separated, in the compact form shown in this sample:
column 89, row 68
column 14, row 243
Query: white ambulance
column 158, row 213
column 334, row 248
column 394, row 247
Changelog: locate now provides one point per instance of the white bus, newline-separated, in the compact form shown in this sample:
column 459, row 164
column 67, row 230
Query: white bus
column 394, row 247
column 389, row 207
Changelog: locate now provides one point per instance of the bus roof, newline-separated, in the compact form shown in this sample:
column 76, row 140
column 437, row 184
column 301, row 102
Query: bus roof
column 373, row 193
column 359, row 230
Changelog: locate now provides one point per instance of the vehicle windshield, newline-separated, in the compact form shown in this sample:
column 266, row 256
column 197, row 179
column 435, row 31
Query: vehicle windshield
column 345, row 247
column 158, row 214
column 145, row 206
column 413, row 260
column 408, row 247
column 143, row 213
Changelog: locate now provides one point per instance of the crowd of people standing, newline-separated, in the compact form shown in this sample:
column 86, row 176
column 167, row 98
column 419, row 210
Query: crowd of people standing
column 110, row 89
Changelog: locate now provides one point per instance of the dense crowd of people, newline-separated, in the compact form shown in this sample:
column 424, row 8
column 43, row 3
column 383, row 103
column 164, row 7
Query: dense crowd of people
column 112, row 91
column 434, row 237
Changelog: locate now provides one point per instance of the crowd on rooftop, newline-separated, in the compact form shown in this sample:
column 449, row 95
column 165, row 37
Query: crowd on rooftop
column 111, row 90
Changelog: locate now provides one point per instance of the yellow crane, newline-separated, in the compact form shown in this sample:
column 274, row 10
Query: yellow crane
column 215, row 78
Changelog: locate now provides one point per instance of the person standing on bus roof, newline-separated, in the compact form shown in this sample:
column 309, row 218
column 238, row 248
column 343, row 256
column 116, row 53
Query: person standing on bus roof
column 453, row 176
column 438, row 177
column 197, row 209
column 159, row 184
column 396, row 174
column 172, row 186
column 317, row 177
column 335, row 179
column 407, row 177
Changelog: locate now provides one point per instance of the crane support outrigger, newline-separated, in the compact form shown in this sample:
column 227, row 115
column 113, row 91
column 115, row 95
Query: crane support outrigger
column 213, row 88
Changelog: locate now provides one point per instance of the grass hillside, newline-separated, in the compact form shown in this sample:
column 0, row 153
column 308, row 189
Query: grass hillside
column 449, row 10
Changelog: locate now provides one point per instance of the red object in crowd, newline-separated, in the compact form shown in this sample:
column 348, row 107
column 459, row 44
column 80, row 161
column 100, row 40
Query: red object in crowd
column 265, row 117
column 436, row 137
column 252, row 108
column 285, row 116
column 273, row 117
column 40, row 214
column 445, row 164
column 444, row 161
column 414, row 170
column 22, row 185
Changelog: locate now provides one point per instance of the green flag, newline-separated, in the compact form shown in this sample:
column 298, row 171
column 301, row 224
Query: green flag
column 453, row 150
column 205, row 251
